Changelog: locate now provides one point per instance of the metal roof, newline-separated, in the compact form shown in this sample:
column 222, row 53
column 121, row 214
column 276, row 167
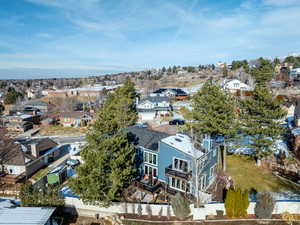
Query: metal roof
column 25, row 215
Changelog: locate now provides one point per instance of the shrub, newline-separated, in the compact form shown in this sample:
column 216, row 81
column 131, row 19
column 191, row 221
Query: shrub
column 140, row 209
column 236, row 203
column 160, row 212
column 148, row 210
column 264, row 205
column 180, row 206
column 168, row 212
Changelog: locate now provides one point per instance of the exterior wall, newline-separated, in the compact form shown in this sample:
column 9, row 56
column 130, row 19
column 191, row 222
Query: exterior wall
column 166, row 155
column 147, row 115
column 210, row 209
column 32, row 167
column 16, row 170
column 198, row 213
column 114, row 209
column 205, row 166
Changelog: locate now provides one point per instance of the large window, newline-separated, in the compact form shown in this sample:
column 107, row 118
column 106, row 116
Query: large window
column 149, row 170
column 179, row 184
column 150, row 158
column 180, row 164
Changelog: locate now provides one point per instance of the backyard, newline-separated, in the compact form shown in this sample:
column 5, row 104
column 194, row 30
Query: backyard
column 247, row 175
column 60, row 130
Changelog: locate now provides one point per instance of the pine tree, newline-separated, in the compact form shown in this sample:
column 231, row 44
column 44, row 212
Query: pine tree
column 119, row 111
column 214, row 111
column 108, row 157
column 48, row 196
column 225, row 71
column 264, row 73
column 259, row 119
column 106, row 171
column 215, row 114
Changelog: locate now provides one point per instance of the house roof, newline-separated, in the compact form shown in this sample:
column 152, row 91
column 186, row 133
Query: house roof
column 156, row 99
column 145, row 137
column 177, row 91
column 26, row 215
column 37, row 103
column 154, row 109
column 184, row 144
column 16, row 153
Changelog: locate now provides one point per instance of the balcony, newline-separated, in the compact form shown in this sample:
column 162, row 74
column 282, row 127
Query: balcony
column 146, row 186
column 175, row 173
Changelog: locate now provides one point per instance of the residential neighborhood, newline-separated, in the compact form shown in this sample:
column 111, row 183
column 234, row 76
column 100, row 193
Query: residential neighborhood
column 149, row 112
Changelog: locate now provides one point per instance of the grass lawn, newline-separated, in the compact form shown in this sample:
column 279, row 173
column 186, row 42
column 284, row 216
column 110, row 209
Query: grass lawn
column 247, row 175
column 60, row 130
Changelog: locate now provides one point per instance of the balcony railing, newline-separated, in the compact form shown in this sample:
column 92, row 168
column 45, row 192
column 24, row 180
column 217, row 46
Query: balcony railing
column 175, row 173
column 145, row 186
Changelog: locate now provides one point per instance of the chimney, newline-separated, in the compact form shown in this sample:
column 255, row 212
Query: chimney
column 34, row 150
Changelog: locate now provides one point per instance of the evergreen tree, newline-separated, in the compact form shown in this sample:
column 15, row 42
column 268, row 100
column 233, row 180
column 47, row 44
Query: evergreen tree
column 174, row 69
column 119, row 111
column 236, row 203
column 214, row 111
column 48, row 196
column 11, row 96
column 259, row 119
column 264, row 73
column 164, row 69
column 108, row 168
column 225, row 71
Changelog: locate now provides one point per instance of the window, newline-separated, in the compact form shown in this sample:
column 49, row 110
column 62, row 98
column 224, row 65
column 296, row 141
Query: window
column 180, row 165
column 149, row 170
column 150, row 158
column 214, row 152
column 202, row 182
column 211, row 171
column 180, row 185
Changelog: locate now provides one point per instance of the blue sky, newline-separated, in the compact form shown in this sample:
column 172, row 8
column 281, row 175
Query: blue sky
column 46, row 38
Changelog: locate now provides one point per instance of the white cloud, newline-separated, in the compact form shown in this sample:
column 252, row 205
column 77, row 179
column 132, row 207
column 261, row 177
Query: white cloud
column 44, row 35
column 281, row 2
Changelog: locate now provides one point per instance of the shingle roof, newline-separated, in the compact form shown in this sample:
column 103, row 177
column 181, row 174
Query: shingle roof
column 13, row 154
column 145, row 137
column 156, row 99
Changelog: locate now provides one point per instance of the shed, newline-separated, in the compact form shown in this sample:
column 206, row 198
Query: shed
column 57, row 176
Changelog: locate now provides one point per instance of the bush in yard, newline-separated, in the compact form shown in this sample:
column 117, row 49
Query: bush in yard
column 236, row 203
column 160, row 212
column 149, row 210
column 264, row 205
column 140, row 210
column 180, row 206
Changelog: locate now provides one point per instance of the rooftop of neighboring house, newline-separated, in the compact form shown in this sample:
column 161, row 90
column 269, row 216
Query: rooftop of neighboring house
column 177, row 91
column 19, row 152
column 37, row 103
column 183, row 143
column 145, row 137
column 155, row 99
column 26, row 215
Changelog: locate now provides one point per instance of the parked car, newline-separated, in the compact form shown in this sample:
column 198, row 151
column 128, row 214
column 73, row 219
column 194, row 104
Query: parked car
column 176, row 122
